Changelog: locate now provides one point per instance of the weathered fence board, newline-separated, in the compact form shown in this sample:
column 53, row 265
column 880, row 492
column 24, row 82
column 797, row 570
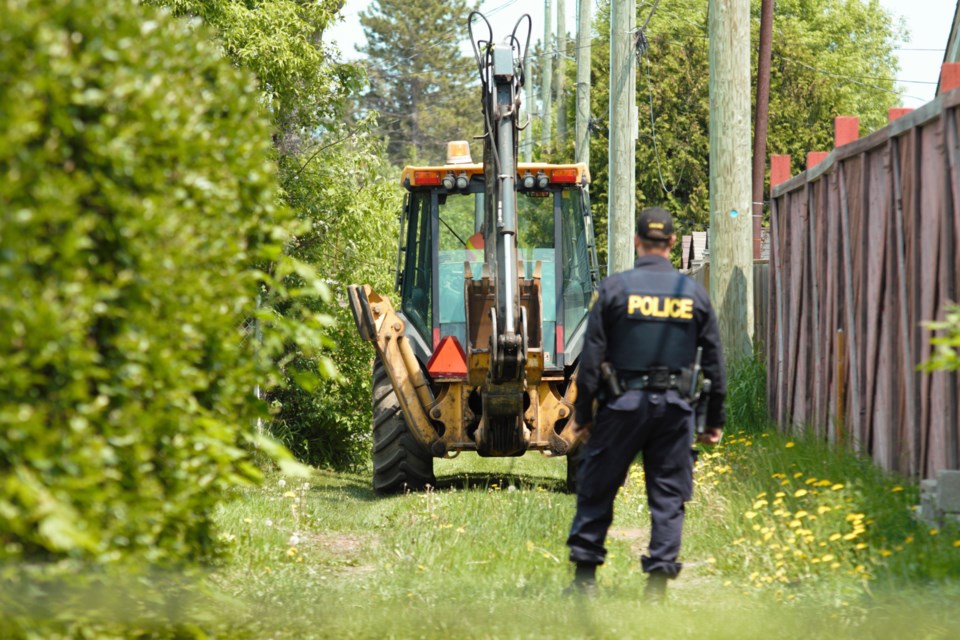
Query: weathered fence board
column 863, row 251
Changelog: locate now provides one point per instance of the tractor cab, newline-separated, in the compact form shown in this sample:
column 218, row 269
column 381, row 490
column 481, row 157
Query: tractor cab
column 442, row 245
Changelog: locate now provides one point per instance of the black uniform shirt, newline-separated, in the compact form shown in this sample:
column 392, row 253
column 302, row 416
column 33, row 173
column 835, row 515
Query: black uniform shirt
column 649, row 317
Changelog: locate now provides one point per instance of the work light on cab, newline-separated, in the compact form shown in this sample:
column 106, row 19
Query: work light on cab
column 458, row 152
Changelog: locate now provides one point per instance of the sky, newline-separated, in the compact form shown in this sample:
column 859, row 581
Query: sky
column 928, row 22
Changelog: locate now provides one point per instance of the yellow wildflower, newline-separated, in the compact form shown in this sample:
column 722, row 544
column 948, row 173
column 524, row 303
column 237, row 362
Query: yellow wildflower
column 789, row 445
column 799, row 493
column 837, row 487
column 934, row 532
column 896, row 489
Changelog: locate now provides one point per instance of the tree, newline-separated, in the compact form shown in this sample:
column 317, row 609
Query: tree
column 302, row 81
column 424, row 88
column 331, row 176
column 830, row 57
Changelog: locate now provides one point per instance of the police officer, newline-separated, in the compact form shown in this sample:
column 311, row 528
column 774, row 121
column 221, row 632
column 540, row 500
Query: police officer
column 647, row 324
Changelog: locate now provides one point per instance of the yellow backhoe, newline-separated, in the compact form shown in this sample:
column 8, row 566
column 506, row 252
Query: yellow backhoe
column 495, row 271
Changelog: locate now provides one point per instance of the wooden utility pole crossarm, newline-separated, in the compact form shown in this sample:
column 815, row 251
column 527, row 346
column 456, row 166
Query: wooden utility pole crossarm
column 731, row 255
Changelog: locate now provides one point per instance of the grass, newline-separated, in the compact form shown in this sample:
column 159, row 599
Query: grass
column 785, row 538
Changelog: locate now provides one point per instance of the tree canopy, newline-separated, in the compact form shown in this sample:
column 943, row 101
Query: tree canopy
column 830, row 57
column 422, row 86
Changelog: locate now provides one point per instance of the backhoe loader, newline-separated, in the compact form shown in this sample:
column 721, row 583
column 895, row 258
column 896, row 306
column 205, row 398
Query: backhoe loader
column 495, row 272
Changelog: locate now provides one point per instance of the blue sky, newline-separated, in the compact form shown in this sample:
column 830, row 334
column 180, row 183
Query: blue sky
column 920, row 57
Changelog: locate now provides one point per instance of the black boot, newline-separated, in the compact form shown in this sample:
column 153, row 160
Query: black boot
column 656, row 590
column 584, row 581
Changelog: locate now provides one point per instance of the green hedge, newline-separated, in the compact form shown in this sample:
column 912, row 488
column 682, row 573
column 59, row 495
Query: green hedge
column 137, row 190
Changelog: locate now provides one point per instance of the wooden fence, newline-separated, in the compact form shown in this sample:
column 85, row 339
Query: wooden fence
column 863, row 251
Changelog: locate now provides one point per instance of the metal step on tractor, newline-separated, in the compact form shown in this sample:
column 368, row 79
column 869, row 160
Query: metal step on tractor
column 496, row 270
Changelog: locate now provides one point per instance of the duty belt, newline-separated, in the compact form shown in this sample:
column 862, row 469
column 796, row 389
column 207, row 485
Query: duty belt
column 653, row 380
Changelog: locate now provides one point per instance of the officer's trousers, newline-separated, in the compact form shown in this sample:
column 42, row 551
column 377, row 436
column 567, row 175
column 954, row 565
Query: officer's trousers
column 660, row 426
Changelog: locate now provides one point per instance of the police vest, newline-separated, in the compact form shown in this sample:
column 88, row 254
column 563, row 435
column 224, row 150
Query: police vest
column 652, row 322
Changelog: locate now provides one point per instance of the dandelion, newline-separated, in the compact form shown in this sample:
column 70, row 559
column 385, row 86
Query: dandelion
column 908, row 539
column 956, row 543
column 281, row 483
column 800, row 514
column 789, row 445
column 750, row 515
column 760, row 503
column 934, row 532
column 886, row 553
column 799, row 493
column 292, row 551
column 896, row 489
column 837, row 487
column 294, row 540
column 268, row 522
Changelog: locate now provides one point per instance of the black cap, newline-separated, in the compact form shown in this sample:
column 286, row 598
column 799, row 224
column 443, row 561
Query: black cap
column 654, row 223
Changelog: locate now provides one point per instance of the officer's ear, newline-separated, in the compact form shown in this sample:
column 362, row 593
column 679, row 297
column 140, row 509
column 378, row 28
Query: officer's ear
column 672, row 241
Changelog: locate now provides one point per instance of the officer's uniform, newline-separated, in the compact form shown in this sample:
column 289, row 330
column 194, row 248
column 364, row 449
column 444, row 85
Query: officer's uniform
column 647, row 322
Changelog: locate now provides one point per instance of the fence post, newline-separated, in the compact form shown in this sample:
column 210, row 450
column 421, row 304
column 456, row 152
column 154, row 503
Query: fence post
column 841, row 377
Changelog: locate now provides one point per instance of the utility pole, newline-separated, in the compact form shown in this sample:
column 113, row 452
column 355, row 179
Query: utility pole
column 528, row 91
column 561, row 68
column 582, row 144
column 731, row 263
column 760, row 126
column 546, row 115
column 621, row 198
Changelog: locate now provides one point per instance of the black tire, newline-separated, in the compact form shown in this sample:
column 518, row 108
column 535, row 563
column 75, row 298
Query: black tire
column 400, row 463
column 573, row 466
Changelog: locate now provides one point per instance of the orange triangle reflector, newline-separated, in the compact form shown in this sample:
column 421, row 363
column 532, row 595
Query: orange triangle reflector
column 448, row 360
